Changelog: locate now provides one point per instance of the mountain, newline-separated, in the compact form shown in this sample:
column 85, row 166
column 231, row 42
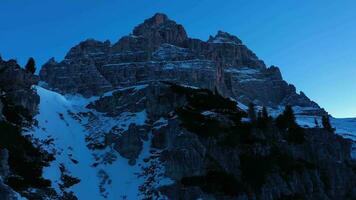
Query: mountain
column 159, row 49
column 159, row 115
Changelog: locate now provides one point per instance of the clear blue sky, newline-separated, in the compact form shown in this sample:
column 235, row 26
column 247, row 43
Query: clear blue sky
column 312, row 41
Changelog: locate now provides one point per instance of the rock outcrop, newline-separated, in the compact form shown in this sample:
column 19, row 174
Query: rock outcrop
column 159, row 49
column 16, row 86
column 21, row 161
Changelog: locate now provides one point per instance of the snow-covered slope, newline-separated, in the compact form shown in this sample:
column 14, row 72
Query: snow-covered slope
column 65, row 124
column 103, row 174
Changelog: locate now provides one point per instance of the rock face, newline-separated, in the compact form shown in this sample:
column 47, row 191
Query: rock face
column 128, row 143
column 75, row 77
column 159, row 49
column 16, row 86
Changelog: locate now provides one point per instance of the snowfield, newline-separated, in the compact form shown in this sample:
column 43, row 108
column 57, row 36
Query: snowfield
column 103, row 174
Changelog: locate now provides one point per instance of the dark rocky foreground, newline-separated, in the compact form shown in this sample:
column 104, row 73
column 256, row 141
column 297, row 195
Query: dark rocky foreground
column 212, row 154
column 21, row 159
column 18, row 103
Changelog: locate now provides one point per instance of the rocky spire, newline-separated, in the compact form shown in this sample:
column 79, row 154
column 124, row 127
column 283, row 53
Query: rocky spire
column 160, row 29
column 155, row 21
column 88, row 47
column 150, row 34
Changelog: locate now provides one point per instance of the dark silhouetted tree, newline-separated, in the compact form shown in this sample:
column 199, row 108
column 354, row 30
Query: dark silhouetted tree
column 251, row 112
column 326, row 123
column 316, row 123
column 263, row 118
column 287, row 122
column 31, row 65
column 265, row 113
column 286, row 119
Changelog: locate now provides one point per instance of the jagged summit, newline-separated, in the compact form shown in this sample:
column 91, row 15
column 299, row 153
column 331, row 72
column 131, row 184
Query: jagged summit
column 224, row 37
column 150, row 34
column 88, row 47
column 161, row 23
column 157, row 19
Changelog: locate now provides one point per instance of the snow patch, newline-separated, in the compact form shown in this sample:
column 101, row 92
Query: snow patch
column 67, row 121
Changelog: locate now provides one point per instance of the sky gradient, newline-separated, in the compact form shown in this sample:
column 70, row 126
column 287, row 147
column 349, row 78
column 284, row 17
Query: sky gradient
column 313, row 42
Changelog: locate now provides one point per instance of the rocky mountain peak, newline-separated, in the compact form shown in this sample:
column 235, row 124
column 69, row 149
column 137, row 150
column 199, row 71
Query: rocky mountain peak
column 224, row 37
column 157, row 19
column 52, row 61
column 160, row 29
column 89, row 46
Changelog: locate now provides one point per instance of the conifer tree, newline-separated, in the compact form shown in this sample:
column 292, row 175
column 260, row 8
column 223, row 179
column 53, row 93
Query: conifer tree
column 263, row 118
column 264, row 115
column 251, row 112
column 287, row 122
column 326, row 123
column 316, row 123
column 31, row 65
column 287, row 118
column 289, row 114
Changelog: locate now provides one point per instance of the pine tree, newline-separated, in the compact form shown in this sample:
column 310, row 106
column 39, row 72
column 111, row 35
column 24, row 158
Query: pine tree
column 265, row 115
column 289, row 114
column 31, row 65
column 251, row 112
column 316, row 123
column 287, row 122
column 287, row 118
column 263, row 118
column 326, row 123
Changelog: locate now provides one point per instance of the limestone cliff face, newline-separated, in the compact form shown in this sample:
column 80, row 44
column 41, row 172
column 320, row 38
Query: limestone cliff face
column 159, row 49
